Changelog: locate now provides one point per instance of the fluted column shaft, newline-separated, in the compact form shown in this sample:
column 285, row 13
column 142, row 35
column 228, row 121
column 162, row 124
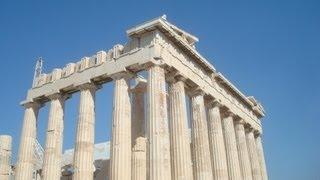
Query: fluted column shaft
column 158, row 130
column 262, row 161
column 252, row 149
column 5, row 156
column 231, row 147
column 180, row 147
column 84, row 145
column 202, row 168
column 139, row 142
column 25, row 166
column 121, row 131
column 139, row 159
column 53, row 149
column 138, row 110
column 217, row 147
column 244, row 158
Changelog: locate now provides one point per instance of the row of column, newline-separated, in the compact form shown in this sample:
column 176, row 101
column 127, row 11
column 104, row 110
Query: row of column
column 225, row 140
column 84, row 145
column 221, row 146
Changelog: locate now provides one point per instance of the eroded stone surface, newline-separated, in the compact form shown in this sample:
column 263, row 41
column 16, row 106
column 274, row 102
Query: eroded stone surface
column 83, row 154
column 252, row 149
column 25, row 163
column 53, row 149
column 180, row 146
column 5, row 156
column 234, row 170
column 202, row 168
column 244, row 158
column 158, row 130
column 217, row 147
column 121, row 131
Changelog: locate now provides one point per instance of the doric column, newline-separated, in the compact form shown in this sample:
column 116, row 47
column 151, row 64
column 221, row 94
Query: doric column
column 5, row 157
column 231, row 147
column 202, row 168
column 120, row 159
column 139, row 159
column 262, row 161
column 84, row 146
column 139, row 142
column 244, row 158
column 158, row 130
column 138, row 109
column 53, row 150
column 25, row 166
column 180, row 147
column 252, row 149
column 217, row 147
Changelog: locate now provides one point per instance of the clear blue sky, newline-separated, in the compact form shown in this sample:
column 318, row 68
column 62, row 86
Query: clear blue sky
column 269, row 49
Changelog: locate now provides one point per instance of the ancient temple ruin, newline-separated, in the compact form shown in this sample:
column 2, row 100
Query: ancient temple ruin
column 151, row 138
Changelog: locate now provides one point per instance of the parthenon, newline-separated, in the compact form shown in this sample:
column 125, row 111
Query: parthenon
column 156, row 135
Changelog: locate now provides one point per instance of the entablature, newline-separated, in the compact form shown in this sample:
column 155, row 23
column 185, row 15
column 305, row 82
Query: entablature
column 229, row 96
column 154, row 42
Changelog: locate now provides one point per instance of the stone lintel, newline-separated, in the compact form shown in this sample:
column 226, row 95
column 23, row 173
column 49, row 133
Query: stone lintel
column 138, row 59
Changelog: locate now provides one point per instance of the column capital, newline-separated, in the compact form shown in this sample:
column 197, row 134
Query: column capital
column 226, row 113
column 60, row 96
column 214, row 103
column 34, row 104
column 152, row 64
column 257, row 133
column 123, row 74
column 175, row 76
column 90, row 86
column 240, row 121
column 140, row 85
column 197, row 91
column 249, row 128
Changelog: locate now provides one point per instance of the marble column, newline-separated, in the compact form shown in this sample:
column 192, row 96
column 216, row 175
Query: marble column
column 234, row 170
column 53, row 150
column 202, row 168
column 84, row 145
column 139, row 159
column 25, row 163
column 158, row 130
column 262, row 161
column 5, row 157
column 120, row 159
column 139, row 142
column 217, row 146
column 252, row 149
column 138, row 109
column 244, row 158
column 180, row 147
